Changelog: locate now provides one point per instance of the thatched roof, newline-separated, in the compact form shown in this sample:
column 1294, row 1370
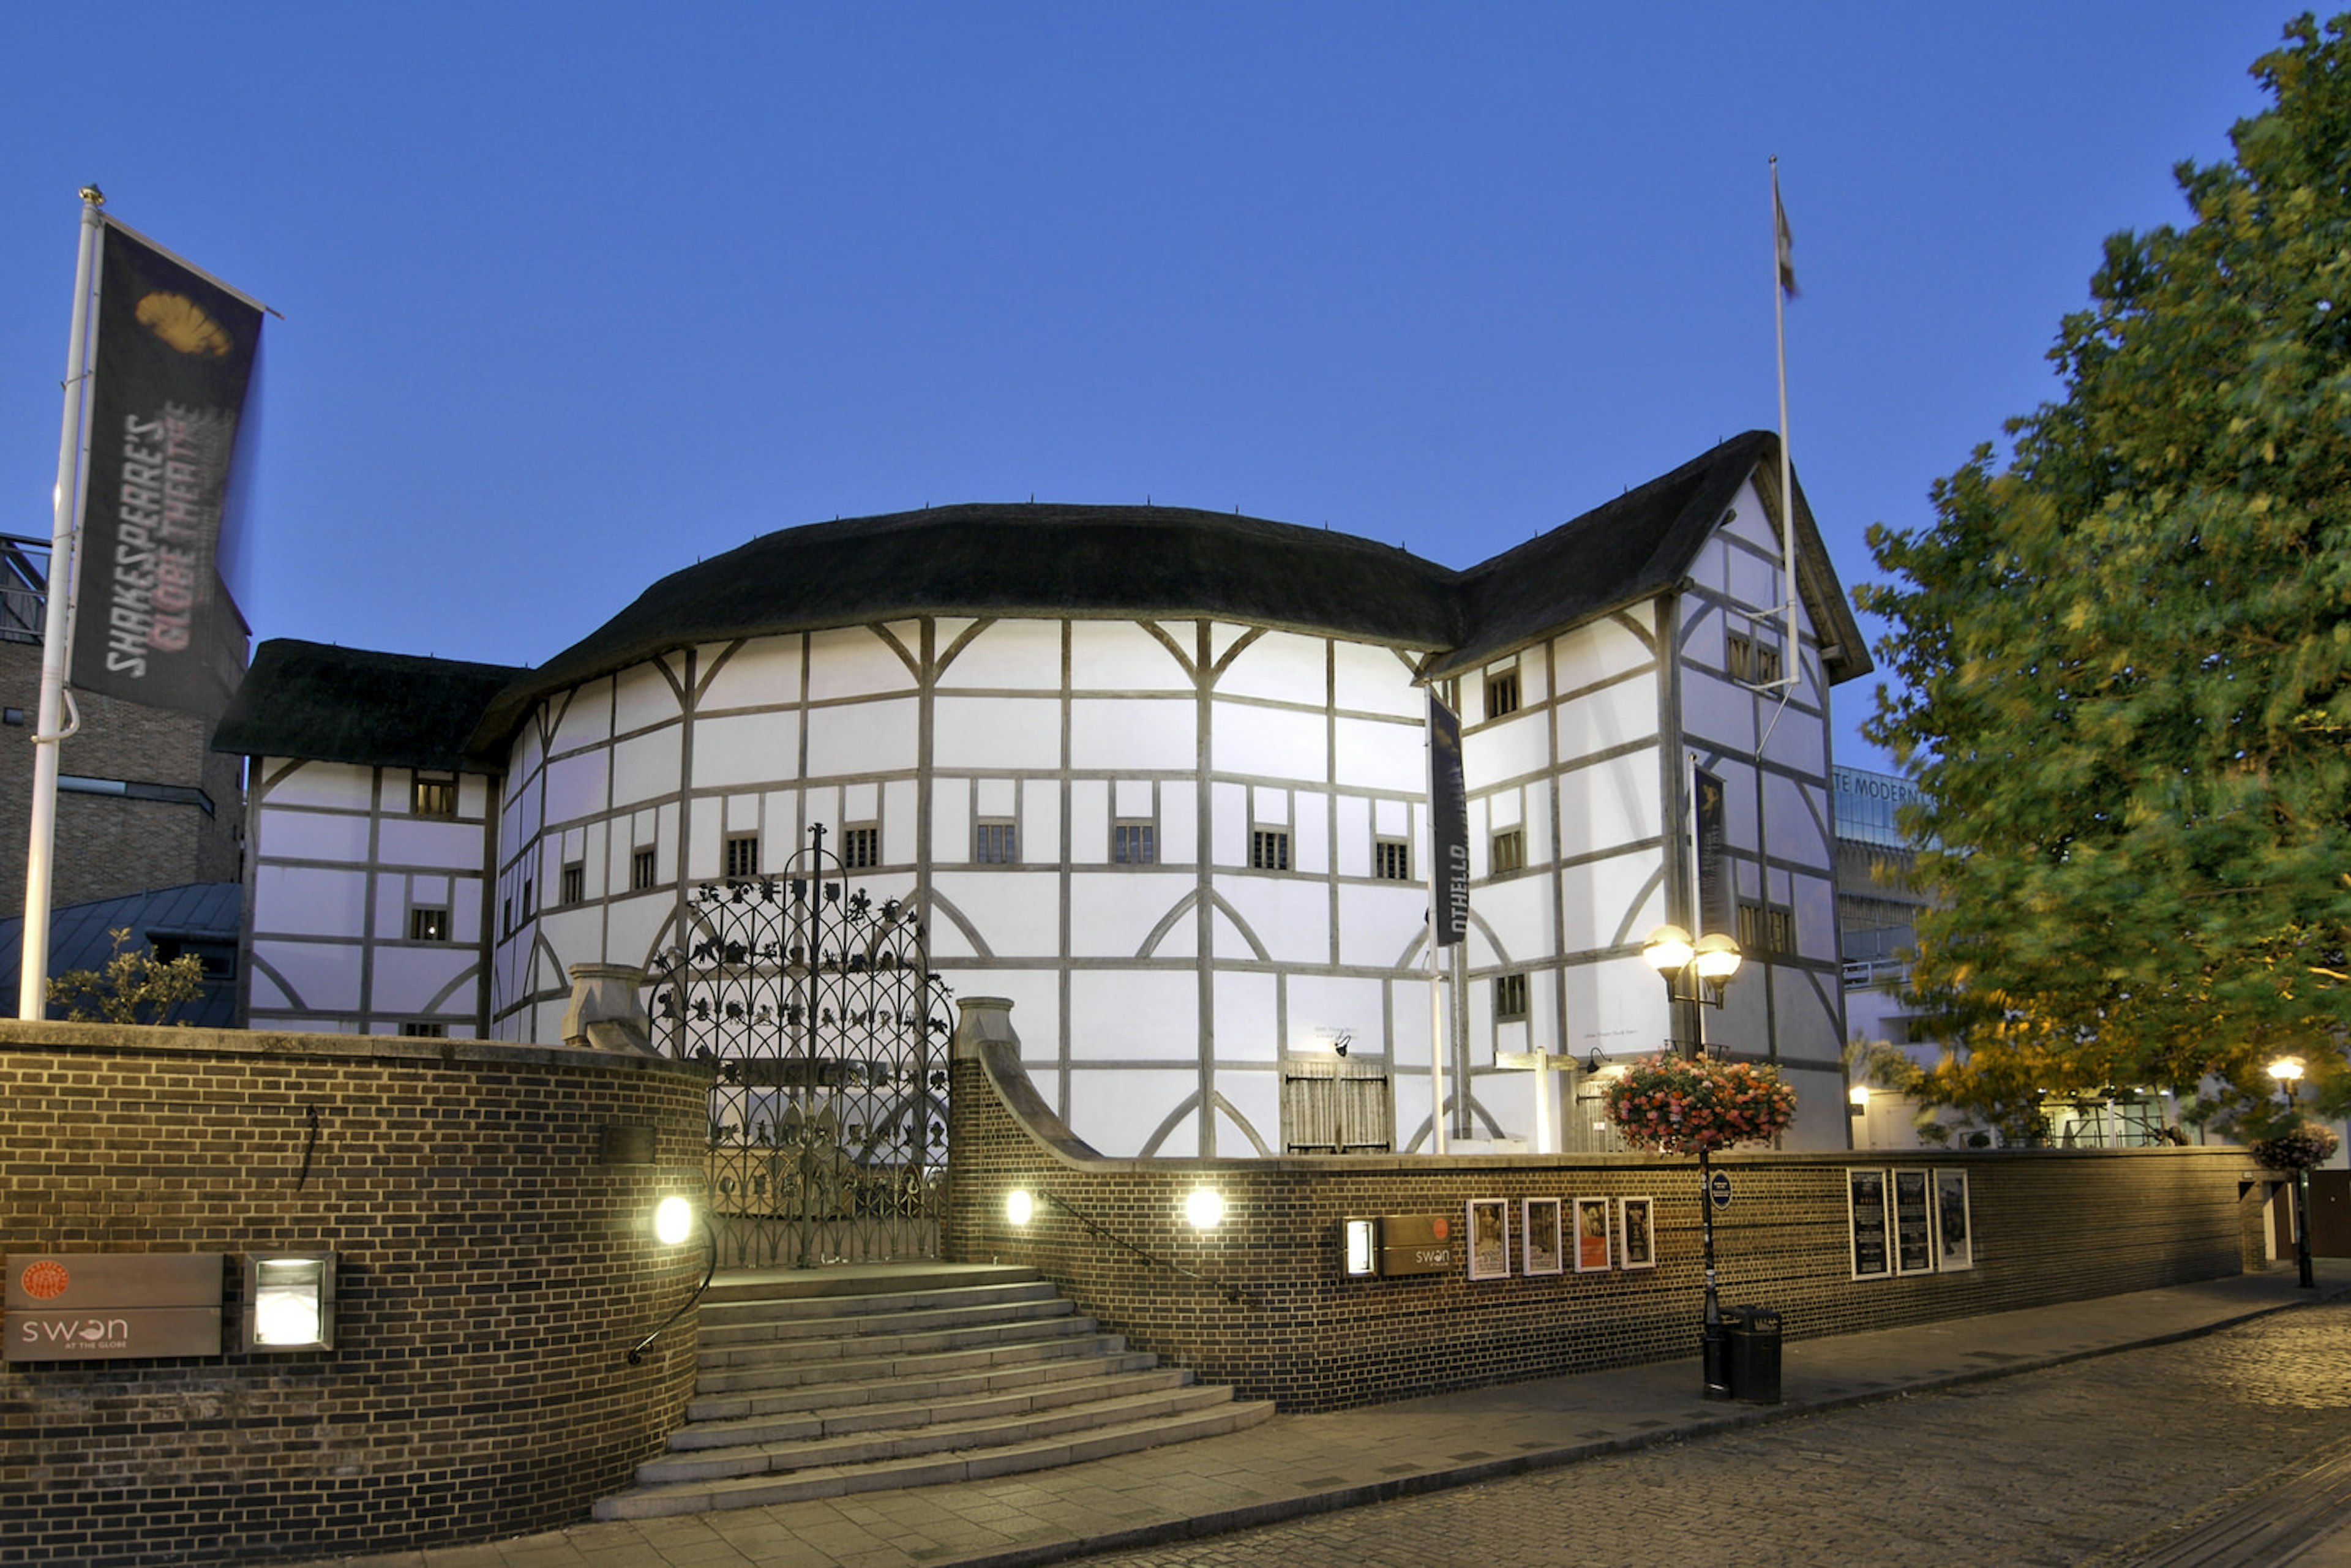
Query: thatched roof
column 329, row 704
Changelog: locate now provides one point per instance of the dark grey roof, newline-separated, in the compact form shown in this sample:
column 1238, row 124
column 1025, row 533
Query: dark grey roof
column 81, row 937
column 348, row 704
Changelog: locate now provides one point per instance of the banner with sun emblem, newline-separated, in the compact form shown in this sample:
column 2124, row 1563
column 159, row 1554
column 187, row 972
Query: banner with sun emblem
column 175, row 354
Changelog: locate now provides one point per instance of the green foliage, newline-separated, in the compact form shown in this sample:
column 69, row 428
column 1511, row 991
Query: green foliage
column 2126, row 655
column 134, row 987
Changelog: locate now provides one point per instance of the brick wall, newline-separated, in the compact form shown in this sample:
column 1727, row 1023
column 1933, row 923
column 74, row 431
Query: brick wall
column 107, row 846
column 493, row 1274
column 1275, row 1316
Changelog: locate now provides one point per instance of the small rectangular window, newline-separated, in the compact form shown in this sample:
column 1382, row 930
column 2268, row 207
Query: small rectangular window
column 1509, row 997
column 860, row 847
column 528, row 898
column 1501, row 692
column 742, row 856
column 641, row 871
column 1270, row 848
column 1509, row 852
column 424, row 1031
column 432, row 795
column 575, row 882
column 1392, row 860
column 505, row 916
column 993, row 844
column 428, row 926
column 1748, row 662
column 1766, row 928
column 1134, row 844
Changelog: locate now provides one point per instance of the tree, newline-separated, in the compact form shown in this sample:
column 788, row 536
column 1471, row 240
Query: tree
column 2124, row 657
column 135, row 986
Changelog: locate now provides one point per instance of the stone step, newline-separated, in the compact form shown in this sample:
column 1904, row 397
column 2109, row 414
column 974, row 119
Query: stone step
column 923, row 1377
column 723, row 1343
column 836, row 1480
column 732, row 1319
column 731, row 1285
column 845, row 1360
column 1023, row 1396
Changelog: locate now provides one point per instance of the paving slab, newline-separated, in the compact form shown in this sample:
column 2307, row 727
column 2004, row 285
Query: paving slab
column 1291, row 1466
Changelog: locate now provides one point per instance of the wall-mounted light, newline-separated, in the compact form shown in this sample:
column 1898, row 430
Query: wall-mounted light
column 1857, row 1100
column 673, row 1220
column 1363, row 1248
column 1019, row 1208
column 1204, row 1208
column 291, row 1297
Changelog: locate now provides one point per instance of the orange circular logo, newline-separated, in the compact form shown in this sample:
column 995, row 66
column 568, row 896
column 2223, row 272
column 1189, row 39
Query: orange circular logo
column 44, row 1280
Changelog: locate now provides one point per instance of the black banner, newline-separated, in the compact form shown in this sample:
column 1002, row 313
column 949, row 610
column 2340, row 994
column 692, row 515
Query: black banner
column 1448, row 825
column 1713, row 853
column 175, row 351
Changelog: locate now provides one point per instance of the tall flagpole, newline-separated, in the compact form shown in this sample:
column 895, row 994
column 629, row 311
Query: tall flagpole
column 56, row 625
column 1783, row 283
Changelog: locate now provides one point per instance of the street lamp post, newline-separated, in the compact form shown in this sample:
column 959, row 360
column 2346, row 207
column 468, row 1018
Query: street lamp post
column 2287, row 1070
column 1696, row 971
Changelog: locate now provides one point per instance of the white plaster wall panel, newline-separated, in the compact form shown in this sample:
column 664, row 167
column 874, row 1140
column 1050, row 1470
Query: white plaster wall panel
column 761, row 672
column 1534, row 677
column 1801, row 743
column 949, row 945
column 951, row 813
column 1135, row 735
column 1120, row 656
column 742, row 812
column 1536, row 823
column 1755, row 582
column 1009, row 655
column 1353, row 849
column 1739, row 818
column 576, row 935
column 1715, row 713
column 1322, row 1003
column 854, row 663
column 1610, row 901
column 1814, row 902
column 666, row 840
column 1255, row 1098
column 1612, row 717
column 465, row 911
column 1480, row 846
column 1504, row 809
column 309, row 900
column 1819, row 1111
column 587, row 718
column 397, row 783
column 526, row 752
column 1412, row 1097
column 862, row 738
column 1374, row 680
column 1018, row 914
column 1117, row 1112
column 1797, row 832
column 900, row 817
column 1271, row 743
column 390, row 907
column 1004, row 733
column 1269, row 807
column 737, row 749
column 996, row 797
column 1517, row 910
column 646, row 766
column 1378, row 924
column 1228, row 824
column 1132, row 798
column 1373, row 754
column 1228, row 941
column 642, row 696
column 1129, row 1015
column 1281, row 665
column 616, row 859
column 1179, row 821
column 1040, row 821
column 1618, row 1007
column 1603, row 649
column 1244, row 1010
column 334, row 784
column 407, row 980
column 1112, row 912
column 574, row 786
column 527, row 814
column 415, row 842
column 268, row 996
column 1512, row 748
column 1408, row 1039
column 1223, row 635
column 473, row 795
column 325, row 977
column 1089, row 822
column 702, row 848
column 1182, row 941
column 1289, row 915
column 1309, row 834
column 861, row 803
column 1804, row 1016
column 1392, row 817
column 313, row 836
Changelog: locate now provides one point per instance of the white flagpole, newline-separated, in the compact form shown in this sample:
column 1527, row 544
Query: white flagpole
column 57, row 626
column 1783, row 283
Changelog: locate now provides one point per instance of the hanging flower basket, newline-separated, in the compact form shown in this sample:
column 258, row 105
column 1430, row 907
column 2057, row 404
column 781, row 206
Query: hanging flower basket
column 1678, row 1106
column 2309, row 1143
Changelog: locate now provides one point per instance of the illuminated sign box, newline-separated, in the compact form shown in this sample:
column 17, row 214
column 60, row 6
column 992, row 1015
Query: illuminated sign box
column 292, row 1301
column 109, row 1306
column 1398, row 1244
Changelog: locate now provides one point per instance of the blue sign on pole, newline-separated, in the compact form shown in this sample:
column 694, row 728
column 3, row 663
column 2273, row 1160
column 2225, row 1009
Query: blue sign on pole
column 1718, row 1191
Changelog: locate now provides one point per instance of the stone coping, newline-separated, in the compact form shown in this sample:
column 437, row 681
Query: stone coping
column 43, row 1034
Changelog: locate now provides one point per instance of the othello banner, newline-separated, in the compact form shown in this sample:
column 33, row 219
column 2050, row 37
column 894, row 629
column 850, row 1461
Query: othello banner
column 1448, row 825
column 1713, row 853
column 176, row 350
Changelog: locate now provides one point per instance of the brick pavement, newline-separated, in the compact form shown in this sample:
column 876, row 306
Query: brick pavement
column 1835, row 1494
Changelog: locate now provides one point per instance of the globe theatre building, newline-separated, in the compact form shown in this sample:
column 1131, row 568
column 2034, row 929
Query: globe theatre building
column 1159, row 776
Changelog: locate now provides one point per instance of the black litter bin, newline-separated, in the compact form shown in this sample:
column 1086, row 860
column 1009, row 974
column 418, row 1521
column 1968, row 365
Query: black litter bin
column 1751, row 1353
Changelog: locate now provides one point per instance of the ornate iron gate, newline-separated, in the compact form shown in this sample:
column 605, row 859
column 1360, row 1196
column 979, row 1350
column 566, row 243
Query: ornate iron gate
column 828, row 1119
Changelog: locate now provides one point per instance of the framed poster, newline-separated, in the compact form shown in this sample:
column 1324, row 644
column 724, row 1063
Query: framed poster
column 1864, row 1207
column 1591, row 1234
column 1913, row 1222
column 1637, row 1234
column 1955, row 1242
column 1538, row 1235
column 1490, row 1239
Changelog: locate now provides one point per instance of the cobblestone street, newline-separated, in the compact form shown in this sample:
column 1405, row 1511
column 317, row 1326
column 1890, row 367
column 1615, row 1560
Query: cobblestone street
column 2098, row 1461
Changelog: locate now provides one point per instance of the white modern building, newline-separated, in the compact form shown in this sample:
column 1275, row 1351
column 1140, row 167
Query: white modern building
column 1158, row 775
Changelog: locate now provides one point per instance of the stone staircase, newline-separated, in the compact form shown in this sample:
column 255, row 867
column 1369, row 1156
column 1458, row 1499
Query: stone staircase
column 822, row 1382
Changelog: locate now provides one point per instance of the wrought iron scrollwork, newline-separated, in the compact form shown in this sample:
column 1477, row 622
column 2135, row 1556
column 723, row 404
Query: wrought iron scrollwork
column 817, row 1006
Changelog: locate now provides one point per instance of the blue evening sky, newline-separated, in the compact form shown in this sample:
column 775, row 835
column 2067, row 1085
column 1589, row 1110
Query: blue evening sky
column 576, row 294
